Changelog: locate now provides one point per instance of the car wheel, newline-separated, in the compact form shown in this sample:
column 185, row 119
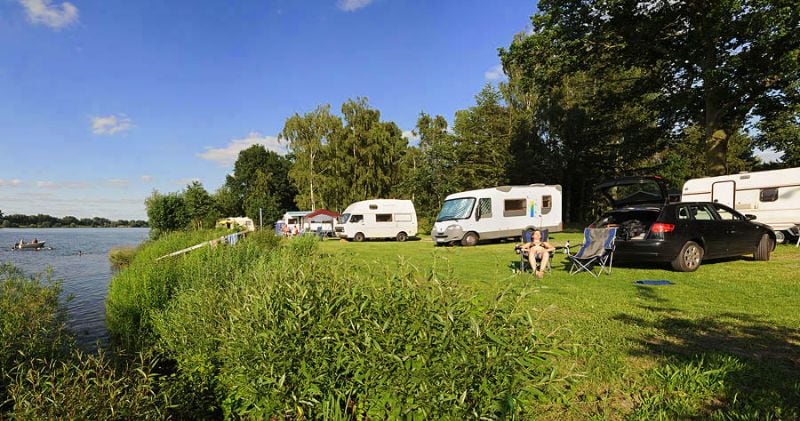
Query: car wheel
column 470, row 239
column 689, row 258
column 401, row 236
column 763, row 249
column 359, row 237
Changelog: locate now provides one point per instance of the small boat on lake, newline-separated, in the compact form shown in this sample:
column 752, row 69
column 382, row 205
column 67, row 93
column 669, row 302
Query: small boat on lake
column 29, row 246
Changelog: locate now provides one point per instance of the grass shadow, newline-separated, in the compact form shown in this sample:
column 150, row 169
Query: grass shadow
column 731, row 364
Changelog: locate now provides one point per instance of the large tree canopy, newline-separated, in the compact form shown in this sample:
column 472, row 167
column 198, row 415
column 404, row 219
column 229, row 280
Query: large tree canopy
column 719, row 65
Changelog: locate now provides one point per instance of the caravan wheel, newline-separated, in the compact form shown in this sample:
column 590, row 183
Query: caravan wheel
column 401, row 236
column 470, row 239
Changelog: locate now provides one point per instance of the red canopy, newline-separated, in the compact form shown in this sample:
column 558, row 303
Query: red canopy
column 321, row 215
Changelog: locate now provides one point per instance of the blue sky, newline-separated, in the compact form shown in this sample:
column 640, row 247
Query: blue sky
column 103, row 101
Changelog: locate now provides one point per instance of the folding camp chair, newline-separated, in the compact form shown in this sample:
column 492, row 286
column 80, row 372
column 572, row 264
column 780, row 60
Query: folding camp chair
column 597, row 251
column 524, row 262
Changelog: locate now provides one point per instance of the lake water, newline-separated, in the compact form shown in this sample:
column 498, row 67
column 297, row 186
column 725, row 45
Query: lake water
column 79, row 257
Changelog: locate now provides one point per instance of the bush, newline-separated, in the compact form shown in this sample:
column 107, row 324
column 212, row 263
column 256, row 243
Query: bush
column 88, row 387
column 32, row 323
column 121, row 256
column 289, row 333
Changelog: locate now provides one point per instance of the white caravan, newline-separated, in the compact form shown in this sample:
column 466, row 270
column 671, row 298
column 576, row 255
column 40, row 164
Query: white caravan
column 378, row 218
column 772, row 196
column 499, row 212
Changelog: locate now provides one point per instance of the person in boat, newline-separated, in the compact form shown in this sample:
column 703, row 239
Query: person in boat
column 21, row 243
column 35, row 241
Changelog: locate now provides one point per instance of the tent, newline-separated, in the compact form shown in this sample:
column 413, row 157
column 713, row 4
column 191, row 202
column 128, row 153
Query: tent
column 321, row 220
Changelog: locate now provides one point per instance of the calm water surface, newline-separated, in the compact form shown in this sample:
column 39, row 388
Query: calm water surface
column 79, row 257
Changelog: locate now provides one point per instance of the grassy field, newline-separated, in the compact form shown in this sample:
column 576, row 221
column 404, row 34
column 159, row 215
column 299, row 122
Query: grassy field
column 722, row 342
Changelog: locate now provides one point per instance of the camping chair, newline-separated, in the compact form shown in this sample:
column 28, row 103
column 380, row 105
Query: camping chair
column 524, row 263
column 597, row 250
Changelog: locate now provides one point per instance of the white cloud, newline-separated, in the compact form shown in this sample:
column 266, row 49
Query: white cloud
column 111, row 125
column 146, row 178
column 45, row 13
column 46, row 185
column 768, row 155
column 226, row 157
column 10, row 183
column 495, row 73
column 352, row 5
column 117, row 182
column 412, row 138
column 183, row 182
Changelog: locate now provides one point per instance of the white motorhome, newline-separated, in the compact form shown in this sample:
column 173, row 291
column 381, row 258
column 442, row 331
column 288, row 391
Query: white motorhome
column 378, row 218
column 772, row 196
column 499, row 212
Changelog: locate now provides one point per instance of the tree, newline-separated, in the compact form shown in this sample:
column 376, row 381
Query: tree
column 166, row 212
column 718, row 65
column 244, row 180
column 483, row 141
column 226, row 202
column 308, row 135
column 199, row 205
column 261, row 202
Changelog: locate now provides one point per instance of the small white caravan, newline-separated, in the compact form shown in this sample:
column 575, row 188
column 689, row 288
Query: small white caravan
column 772, row 196
column 499, row 212
column 294, row 220
column 378, row 218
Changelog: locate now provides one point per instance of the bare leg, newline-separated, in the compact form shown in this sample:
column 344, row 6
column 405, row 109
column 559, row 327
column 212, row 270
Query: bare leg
column 545, row 260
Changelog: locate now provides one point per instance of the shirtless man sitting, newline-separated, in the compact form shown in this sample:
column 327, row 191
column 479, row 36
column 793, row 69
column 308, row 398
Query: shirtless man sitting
column 538, row 249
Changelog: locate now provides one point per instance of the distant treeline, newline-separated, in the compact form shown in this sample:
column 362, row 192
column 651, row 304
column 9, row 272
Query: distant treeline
column 47, row 221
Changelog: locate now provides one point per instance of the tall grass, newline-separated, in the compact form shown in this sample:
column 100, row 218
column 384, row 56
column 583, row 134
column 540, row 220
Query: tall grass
column 260, row 330
column 43, row 376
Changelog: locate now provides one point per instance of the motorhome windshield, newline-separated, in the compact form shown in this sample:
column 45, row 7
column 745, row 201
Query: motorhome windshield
column 456, row 209
column 342, row 219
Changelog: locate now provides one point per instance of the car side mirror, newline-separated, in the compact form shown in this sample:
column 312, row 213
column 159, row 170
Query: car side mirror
column 750, row 217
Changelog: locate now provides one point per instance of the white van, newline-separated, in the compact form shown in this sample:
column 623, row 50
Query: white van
column 499, row 212
column 772, row 196
column 378, row 218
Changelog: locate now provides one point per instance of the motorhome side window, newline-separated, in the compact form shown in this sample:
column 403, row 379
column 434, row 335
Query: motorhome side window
column 291, row 221
column 403, row 217
column 356, row 218
column 383, row 217
column 514, row 207
column 373, row 207
column 485, row 208
column 768, row 195
column 547, row 204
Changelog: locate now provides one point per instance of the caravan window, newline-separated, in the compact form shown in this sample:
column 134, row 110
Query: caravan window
column 547, row 204
column 768, row 195
column 373, row 207
column 514, row 207
column 356, row 218
column 291, row 221
column 485, row 208
column 383, row 217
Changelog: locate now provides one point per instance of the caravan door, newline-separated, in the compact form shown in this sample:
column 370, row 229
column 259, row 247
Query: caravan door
column 723, row 192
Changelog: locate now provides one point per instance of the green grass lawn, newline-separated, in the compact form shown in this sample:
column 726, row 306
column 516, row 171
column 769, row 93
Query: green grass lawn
column 722, row 342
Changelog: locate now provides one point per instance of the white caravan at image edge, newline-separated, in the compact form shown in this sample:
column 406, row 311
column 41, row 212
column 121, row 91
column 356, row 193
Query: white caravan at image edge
column 378, row 218
column 772, row 196
column 498, row 212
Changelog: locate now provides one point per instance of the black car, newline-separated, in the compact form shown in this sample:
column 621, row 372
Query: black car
column 651, row 228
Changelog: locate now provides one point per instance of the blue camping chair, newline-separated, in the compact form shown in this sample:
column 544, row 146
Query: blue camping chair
column 524, row 262
column 597, row 251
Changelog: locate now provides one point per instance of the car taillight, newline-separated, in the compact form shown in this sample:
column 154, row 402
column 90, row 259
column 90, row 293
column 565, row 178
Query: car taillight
column 660, row 227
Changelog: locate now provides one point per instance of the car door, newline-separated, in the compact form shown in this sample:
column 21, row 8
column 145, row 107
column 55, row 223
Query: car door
column 705, row 224
column 741, row 235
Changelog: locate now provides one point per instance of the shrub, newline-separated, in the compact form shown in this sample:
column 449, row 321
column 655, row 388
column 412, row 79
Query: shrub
column 293, row 334
column 32, row 322
column 88, row 387
column 121, row 256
